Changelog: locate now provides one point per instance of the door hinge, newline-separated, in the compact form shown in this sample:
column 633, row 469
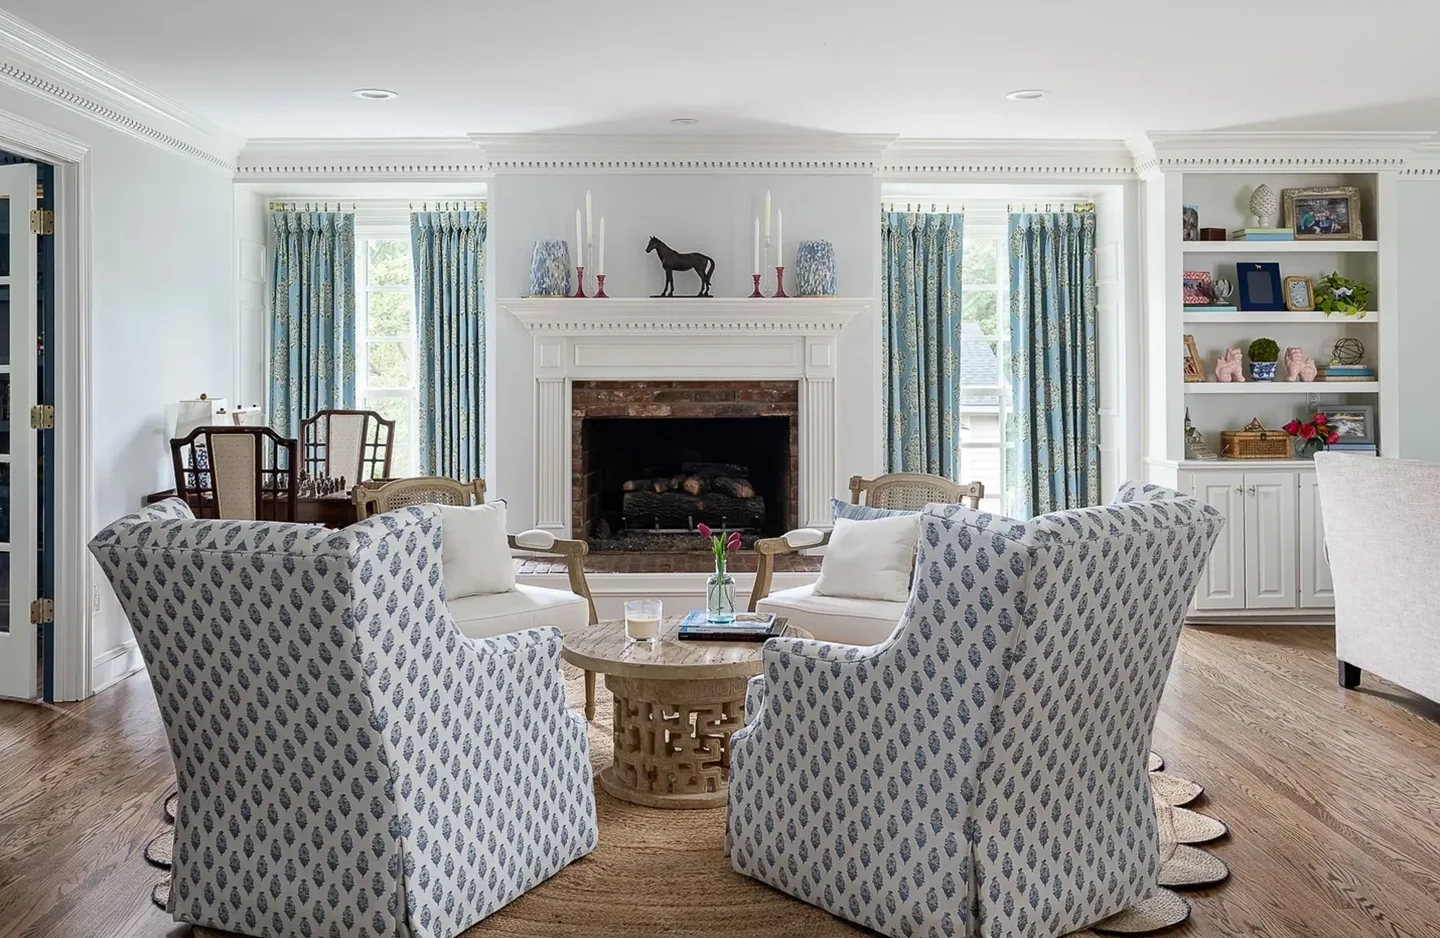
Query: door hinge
column 42, row 222
column 42, row 612
column 42, row 417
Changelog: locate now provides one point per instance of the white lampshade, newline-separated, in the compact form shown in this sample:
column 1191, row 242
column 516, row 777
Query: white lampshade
column 202, row 412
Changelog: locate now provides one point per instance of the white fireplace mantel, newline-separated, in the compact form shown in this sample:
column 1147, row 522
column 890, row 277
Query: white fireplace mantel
column 656, row 339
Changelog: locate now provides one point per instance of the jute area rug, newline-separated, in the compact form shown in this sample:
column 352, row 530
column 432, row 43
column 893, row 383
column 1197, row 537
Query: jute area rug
column 665, row 873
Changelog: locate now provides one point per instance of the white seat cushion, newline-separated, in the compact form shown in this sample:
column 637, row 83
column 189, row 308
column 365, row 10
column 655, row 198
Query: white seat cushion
column 524, row 607
column 833, row 618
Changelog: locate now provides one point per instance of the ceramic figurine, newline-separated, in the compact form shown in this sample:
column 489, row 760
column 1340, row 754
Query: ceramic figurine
column 1298, row 367
column 672, row 260
column 550, row 269
column 1220, row 292
column 815, row 268
column 1264, row 203
column 1229, row 368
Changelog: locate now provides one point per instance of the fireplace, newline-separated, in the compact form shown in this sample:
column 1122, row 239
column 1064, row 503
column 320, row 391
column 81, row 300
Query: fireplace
column 652, row 459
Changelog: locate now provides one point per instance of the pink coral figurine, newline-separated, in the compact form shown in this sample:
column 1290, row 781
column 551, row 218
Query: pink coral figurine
column 1229, row 368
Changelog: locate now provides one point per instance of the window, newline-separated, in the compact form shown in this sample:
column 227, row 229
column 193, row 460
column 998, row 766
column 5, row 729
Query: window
column 385, row 332
column 984, row 362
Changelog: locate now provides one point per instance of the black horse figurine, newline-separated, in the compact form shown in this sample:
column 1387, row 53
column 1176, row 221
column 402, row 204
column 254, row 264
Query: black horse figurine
column 673, row 260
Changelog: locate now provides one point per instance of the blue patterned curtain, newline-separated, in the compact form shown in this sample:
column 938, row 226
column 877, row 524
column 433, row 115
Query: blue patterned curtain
column 312, row 316
column 921, row 342
column 449, row 252
column 1053, row 363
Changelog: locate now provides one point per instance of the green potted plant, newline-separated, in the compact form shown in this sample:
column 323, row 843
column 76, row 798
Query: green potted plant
column 1264, row 353
column 1337, row 294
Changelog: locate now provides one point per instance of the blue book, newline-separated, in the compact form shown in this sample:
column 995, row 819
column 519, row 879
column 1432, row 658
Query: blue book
column 1353, row 447
column 1263, row 237
column 747, row 627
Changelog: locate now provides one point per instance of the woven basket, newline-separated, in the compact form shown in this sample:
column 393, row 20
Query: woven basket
column 1254, row 442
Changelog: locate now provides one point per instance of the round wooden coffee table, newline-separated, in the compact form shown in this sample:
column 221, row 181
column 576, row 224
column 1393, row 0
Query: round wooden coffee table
column 676, row 706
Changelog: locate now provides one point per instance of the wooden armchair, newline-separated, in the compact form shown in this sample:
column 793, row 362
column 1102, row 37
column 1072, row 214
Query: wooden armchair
column 237, row 473
column 526, row 606
column 354, row 444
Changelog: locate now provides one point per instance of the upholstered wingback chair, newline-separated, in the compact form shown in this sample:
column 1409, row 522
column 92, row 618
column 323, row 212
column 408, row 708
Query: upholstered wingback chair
column 983, row 770
column 348, row 763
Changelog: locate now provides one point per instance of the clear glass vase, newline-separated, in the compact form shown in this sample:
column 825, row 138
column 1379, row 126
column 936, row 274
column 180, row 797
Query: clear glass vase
column 720, row 596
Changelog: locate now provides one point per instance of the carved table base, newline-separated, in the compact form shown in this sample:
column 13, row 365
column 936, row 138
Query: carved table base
column 672, row 740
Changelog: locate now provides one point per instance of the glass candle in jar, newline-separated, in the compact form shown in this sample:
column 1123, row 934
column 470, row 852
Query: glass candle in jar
column 642, row 620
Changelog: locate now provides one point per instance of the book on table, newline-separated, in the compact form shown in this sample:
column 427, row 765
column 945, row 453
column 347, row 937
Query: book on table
column 747, row 627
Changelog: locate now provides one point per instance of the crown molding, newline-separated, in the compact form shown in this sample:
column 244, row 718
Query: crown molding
column 996, row 159
column 385, row 159
column 47, row 68
column 1425, row 162
column 1302, row 151
column 811, row 154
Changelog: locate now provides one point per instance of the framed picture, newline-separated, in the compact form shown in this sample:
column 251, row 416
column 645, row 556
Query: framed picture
column 1354, row 422
column 1190, row 224
column 1194, row 369
column 1197, row 287
column 1325, row 214
column 1260, row 287
column 1299, row 294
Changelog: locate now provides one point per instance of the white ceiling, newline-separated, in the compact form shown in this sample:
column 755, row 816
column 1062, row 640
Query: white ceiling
column 926, row 68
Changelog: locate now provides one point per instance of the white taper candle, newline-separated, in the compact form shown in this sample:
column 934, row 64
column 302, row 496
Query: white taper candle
column 579, row 244
column 600, row 261
column 779, row 238
column 767, row 214
column 756, row 268
column 589, row 220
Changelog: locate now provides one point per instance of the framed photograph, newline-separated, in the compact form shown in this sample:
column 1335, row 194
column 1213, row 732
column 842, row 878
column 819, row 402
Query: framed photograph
column 1260, row 287
column 1194, row 369
column 1190, row 224
column 1325, row 214
column 1354, row 422
column 1197, row 287
column 1299, row 294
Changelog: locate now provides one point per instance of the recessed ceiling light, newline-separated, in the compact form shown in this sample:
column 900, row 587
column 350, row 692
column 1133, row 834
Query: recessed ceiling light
column 1027, row 94
column 375, row 94
column 685, row 120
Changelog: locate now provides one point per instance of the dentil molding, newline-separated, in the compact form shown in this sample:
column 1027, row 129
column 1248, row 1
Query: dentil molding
column 981, row 160
column 362, row 160
column 47, row 68
column 793, row 316
column 1299, row 151
column 811, row 154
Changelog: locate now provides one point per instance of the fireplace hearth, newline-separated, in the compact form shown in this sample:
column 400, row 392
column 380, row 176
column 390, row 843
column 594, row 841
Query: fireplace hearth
column 653, row 459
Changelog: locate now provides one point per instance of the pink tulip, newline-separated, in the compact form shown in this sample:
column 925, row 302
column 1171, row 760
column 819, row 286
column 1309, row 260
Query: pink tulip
column 734, row 542
column 705, row 530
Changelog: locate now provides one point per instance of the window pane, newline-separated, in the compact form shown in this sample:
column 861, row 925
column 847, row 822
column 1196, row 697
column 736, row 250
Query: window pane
column 389, row 365
column 398, row 410
column 982, row 465
column 979, row 262
column 978, row 306
column 389, row 262
column 390, row 314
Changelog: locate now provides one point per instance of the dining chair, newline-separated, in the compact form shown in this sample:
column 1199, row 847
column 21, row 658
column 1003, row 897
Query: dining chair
column 356, row 445
column 237, row 473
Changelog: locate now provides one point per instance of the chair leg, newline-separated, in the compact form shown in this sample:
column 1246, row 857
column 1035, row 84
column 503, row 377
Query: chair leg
column 1349, row 674
column 589, row 696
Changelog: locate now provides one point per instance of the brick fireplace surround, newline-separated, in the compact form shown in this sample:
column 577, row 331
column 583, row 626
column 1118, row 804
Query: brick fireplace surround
column 679, row 399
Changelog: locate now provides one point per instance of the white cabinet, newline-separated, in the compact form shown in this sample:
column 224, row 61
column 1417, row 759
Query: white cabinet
column 1270, row 556
column 1317, row 590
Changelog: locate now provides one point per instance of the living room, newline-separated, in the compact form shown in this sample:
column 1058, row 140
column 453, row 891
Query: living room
column 974, row 495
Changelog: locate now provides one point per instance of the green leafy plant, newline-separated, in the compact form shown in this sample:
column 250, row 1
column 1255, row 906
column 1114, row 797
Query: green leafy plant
column 1264, row 350
column 1337, row 294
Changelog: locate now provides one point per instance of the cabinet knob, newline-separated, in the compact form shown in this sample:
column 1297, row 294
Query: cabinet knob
column 1240, row 489
column 1252, row 490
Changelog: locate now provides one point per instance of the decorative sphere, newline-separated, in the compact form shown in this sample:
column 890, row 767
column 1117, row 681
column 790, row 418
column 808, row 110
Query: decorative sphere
column 1348, row 351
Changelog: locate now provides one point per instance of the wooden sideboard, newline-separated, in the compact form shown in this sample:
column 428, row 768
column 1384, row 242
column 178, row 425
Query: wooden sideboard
column 333, row 511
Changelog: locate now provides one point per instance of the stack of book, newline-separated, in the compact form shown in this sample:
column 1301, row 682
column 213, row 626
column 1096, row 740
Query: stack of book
column 1346, row 373
column 747, row 627
column 1261, row 234
column 1343, row 447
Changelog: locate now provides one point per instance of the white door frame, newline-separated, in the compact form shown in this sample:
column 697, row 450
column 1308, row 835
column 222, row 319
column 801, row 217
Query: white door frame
column 74, row 570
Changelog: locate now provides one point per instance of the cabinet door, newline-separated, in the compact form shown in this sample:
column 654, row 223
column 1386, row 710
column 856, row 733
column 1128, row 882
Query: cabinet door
column 1317, row 590
column 1271, row 580
column 1223, row 585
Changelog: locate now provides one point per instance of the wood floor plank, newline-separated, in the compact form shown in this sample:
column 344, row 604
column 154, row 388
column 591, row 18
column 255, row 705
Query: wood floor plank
column 1332, row 798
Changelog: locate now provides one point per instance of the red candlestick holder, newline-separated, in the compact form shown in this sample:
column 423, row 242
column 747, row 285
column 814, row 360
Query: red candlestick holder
column 600, row 287
column 580, row 278
column 780, row 283
column 757, row 292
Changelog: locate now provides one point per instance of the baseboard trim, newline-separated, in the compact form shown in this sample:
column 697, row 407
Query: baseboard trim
column 114, row 665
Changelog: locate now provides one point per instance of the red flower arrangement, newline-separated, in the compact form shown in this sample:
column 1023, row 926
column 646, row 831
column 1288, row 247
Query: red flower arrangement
column 720, row 545
column 1314, row 435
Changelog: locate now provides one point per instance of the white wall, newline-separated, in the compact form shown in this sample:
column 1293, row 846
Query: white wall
column 711, row 214
column 252, row 273
column 1418, row 307
column 162, row 293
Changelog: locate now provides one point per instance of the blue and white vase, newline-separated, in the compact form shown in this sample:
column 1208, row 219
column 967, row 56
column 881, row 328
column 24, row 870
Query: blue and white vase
column 550, row 272
column 1262, row 371
column 815, row 268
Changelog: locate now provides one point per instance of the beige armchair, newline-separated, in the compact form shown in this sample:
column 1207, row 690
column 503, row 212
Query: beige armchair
column 497, row 613
column 835, row 619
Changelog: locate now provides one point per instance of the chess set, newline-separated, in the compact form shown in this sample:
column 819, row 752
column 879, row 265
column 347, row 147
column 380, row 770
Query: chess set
column 321, row 487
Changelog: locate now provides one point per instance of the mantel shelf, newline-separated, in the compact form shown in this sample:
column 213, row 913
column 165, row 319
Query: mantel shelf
column 1283, row 387
column 1278, row 247
column 1193, row 316
column 688, row 315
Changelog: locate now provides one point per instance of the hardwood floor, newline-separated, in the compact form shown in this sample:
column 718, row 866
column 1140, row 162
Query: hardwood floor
column 1332, row 797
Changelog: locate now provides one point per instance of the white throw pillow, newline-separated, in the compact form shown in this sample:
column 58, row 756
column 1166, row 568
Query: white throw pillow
column 870, row 559
column 476, row 558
